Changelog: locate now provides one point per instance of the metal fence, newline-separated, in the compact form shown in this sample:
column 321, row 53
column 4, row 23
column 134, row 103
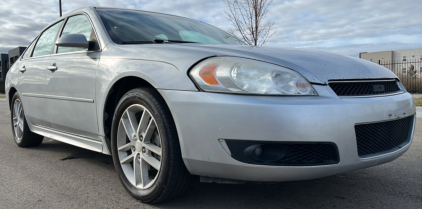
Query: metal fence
column 409, row 72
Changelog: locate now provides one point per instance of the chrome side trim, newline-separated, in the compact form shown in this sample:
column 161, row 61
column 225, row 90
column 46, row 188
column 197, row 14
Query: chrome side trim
column 59, row 97
column 76, row 52
column 52, row 129
column 33, row 95
column 79, row 141
column 69, row 98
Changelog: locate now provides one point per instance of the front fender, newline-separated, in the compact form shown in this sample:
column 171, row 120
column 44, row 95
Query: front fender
column 11, row 81
column 160, row 75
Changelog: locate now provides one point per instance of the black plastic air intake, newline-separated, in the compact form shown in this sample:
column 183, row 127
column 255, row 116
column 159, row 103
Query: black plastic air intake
column 284, row 153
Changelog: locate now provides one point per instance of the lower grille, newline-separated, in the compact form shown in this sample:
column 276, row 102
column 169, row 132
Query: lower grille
column 383, row 137
column 364, row 88
column 284, row 153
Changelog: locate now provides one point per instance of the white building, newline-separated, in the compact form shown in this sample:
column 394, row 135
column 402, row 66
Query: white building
column 396, row 60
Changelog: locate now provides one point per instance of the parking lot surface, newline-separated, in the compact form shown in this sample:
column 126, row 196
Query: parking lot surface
column 57, row 175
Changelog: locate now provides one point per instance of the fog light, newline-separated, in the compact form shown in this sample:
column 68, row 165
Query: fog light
column 265, row 152
column 258, row 151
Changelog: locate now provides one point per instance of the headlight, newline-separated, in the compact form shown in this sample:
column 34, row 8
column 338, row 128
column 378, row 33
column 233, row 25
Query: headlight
column 245, row 76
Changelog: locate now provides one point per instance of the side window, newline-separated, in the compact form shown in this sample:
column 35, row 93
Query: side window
column 28, row 51
column 46, row 41
column 78, row 24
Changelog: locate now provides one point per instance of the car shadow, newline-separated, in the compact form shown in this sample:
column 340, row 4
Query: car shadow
column 332, row 192
column 71, row 152
column 299, row 194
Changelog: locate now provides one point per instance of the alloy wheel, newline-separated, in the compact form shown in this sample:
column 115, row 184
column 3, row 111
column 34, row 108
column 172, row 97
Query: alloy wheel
column 139, row 146
column 18, row 120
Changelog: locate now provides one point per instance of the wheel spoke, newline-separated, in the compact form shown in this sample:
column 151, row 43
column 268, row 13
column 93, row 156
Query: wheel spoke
column 149, row 131
column 143, row 124
column 152, row 161
column 127, row 159
column 144, row 173
column 19, row 109
column 20, row 127
column 127, row 146
column 128, row 128
column 20, row 113
column 16, row 108
column 133, row 123
column 153, row 148
column 137, row 173
column 18, row 132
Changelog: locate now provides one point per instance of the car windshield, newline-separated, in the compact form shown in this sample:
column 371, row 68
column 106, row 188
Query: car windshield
column 137, row 27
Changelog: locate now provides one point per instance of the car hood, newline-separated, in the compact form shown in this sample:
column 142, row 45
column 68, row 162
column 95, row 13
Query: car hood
column 316, row 66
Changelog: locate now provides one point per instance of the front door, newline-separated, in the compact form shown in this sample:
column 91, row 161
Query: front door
column 70, row 90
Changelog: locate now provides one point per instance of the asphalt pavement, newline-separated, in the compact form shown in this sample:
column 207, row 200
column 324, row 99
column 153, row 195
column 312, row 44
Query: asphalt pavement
column 57, row 175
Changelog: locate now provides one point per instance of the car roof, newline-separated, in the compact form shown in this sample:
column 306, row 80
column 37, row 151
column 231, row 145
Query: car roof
column 116, row 8
column 92, row 8
column 143, row 11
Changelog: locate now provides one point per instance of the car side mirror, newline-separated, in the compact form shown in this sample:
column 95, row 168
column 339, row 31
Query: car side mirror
column 73, row 40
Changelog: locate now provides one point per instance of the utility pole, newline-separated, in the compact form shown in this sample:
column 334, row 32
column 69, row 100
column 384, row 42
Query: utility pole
column 60, row 7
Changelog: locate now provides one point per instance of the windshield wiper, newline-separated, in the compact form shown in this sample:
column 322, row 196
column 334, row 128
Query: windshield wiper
column 137, row 42
column 156, row 41
column 175, row 41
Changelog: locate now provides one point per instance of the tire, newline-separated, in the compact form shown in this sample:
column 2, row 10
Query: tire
column 23, row 136
column 144, row 173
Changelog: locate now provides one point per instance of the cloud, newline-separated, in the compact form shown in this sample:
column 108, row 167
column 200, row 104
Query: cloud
column 345, row 27
column 348, row 27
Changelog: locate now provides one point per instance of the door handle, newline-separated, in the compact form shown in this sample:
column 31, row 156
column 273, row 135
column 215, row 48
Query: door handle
column 23, row 69
column 52, row 68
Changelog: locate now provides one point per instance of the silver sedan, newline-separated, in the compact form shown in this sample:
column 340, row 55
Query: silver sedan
column 170, row 98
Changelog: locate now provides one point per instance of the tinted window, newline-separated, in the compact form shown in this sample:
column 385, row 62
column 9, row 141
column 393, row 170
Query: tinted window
column 46, row 41
column 76, row 25
column 126, row 26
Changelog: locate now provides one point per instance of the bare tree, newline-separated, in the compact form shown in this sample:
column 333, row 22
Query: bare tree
column 247, row 18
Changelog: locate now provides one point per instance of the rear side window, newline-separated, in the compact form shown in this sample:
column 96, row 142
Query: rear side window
column 46, row 41
column 78, row 24
column 28, row 51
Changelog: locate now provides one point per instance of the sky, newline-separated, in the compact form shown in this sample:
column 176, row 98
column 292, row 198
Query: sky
column 344, row 27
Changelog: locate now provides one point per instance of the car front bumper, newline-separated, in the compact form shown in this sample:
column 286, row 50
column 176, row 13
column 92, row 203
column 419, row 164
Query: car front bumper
column 203, row 118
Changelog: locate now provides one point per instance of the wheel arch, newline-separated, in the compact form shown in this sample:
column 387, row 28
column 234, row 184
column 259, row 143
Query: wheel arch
column 10, row 94
column 114, row 94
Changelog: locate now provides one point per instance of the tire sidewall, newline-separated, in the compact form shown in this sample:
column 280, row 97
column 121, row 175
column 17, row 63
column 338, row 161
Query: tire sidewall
column 145, row 100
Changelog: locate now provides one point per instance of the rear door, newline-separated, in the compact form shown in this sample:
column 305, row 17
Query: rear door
column 33, row 67
column 70, row 89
